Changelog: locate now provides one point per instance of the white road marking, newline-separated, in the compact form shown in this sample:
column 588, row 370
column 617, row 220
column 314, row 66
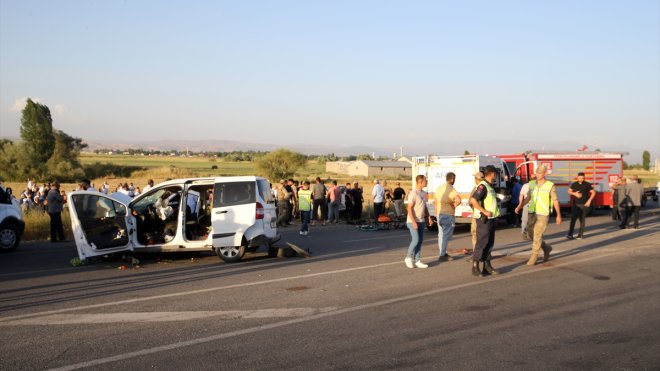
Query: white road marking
column 182, row 344
column 142, row 317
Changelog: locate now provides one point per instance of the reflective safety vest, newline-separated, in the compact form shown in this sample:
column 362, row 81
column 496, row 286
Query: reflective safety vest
column 490, row 203
column 540, row 201
column 305, row 200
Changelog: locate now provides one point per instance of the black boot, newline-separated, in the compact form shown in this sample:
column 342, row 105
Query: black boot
column 489, row 268
column 546, row 252
column 475, row 268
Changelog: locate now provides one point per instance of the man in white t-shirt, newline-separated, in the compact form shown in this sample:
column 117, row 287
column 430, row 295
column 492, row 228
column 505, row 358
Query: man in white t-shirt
column 378, row 194
column 418, row 217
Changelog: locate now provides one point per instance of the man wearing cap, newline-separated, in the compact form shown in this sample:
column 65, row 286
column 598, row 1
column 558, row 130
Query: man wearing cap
column 486, row 211
column 583, row 193
column 478, row 177
column 542, row 197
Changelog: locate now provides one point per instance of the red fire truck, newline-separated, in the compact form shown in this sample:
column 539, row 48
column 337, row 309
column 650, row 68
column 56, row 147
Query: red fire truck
column 601, row 169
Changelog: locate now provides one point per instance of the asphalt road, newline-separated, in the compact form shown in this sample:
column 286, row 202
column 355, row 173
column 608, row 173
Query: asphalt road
column 352, row 305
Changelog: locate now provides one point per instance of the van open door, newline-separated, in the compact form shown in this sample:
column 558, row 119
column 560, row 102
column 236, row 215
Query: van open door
column 100, row 224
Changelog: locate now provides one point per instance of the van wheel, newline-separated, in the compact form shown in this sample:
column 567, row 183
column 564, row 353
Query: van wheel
column 9, row 238
column 230, row 254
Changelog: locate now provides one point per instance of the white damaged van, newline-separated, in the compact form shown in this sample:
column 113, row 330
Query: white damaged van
column 228, row 215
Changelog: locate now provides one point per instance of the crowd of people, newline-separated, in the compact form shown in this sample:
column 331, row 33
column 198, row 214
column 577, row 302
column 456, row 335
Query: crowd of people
column 627, row 195
column 532, row 203
column 321, row 203
column 34, row 196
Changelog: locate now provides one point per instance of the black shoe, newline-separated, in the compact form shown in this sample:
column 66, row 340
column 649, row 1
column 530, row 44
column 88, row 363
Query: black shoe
column 489, row 268
column 546, row 252
column 570, row 237
column 484, row 270
column 475, row 269
column 445, row 258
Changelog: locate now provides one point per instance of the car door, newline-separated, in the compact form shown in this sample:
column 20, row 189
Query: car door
column 269, row 209
column 234, row 210
column 100, row 224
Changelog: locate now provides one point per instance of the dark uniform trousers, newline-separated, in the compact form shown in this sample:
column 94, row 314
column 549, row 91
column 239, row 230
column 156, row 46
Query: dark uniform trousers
column 56, row 227
column 578, row 212
column 485, row 239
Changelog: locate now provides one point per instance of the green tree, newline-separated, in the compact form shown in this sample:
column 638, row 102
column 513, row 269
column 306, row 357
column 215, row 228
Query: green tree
column 38, row 137
column 280, row 164
column 4, row 142
column 646, row 160
column 13, row 162
column 466, row 152
column 64, row 164
column 67, row 148
column 364, row 157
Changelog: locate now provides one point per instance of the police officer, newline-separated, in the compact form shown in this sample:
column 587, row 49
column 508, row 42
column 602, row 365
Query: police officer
column 478, row 177
column 486, row 211
column 542, row 197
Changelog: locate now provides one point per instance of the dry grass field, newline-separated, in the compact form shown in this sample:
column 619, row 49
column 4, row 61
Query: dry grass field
column 161, row 168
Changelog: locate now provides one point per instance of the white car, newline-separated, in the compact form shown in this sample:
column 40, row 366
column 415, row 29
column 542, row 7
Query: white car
column 11, row 222
column 228, row 215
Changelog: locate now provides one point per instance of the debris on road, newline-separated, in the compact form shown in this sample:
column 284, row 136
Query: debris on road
column 77, row 262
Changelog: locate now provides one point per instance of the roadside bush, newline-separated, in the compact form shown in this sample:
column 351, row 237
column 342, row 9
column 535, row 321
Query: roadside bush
column 103, row 170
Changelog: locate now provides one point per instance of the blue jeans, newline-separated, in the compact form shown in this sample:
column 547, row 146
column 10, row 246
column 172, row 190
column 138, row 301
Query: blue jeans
column 416, row 241
column 446, row 225
column 305, row 215
column 333, row 212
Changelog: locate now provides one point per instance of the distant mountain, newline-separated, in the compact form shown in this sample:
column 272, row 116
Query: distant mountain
column 228, row 146
column 441, row 147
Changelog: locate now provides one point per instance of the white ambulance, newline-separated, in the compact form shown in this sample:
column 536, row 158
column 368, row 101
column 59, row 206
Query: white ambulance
column 435, row 168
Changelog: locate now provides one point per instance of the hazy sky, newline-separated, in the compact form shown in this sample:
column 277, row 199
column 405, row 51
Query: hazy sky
column 385, row 73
